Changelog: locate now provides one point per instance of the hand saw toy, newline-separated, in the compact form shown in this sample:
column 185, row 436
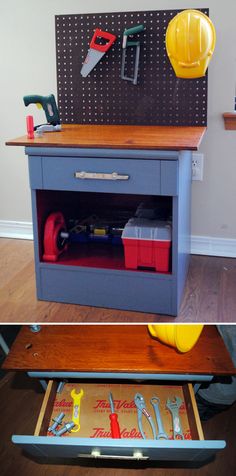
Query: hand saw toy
column 97, row 50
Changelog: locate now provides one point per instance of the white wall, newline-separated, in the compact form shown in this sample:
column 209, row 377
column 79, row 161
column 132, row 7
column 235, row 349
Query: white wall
column 28, row 65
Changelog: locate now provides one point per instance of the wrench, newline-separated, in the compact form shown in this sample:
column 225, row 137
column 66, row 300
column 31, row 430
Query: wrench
column 155, row 401
column 76, row 408
column 173, row 406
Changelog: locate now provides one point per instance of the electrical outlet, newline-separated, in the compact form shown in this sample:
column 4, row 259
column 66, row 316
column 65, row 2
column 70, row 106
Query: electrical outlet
column 197, row 166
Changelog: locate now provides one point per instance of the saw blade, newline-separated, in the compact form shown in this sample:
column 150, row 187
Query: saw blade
column 93, row 57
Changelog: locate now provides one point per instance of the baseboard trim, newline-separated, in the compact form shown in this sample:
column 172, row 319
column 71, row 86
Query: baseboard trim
column 16, row 229
column 211, row 246
column 200, row 245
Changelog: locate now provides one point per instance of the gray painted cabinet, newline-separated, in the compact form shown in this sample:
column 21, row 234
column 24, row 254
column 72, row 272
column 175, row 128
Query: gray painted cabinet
column 161, row 174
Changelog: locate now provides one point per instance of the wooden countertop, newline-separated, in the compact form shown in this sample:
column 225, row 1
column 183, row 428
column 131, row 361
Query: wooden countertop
column 118, row 137
column 114, row 348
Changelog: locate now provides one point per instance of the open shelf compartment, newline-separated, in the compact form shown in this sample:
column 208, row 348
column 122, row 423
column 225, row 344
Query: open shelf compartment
column 104, row 214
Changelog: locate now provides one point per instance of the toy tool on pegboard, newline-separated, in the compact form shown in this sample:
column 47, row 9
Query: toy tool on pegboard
column 48, row 103
column 97, row 50
column 131, row 44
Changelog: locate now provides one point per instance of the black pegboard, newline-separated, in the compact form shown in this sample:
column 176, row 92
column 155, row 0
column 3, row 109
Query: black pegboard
column 103, row 97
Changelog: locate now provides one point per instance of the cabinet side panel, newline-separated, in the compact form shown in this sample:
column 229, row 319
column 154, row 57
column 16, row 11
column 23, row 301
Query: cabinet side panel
column 182, row 224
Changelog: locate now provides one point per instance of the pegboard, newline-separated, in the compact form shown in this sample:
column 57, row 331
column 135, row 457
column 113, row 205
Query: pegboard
column 103, row 97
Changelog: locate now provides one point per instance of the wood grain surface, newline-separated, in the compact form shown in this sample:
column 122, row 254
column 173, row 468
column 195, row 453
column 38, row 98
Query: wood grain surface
column 120, row 137
column 230, row 120
column 116, row 348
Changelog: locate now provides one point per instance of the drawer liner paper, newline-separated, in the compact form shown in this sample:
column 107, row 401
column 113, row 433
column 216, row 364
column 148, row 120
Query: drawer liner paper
column 95, row 409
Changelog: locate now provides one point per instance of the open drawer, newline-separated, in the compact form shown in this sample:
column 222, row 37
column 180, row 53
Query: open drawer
column 87, row 443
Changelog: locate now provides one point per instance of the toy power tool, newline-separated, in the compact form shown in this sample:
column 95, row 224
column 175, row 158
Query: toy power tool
column 48, row 103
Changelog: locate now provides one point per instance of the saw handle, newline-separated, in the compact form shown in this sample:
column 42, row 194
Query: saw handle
column 106, row 36
column 130, row 32
column 133, row 30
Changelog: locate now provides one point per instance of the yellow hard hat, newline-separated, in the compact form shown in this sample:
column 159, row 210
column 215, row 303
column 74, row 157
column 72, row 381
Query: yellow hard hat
column 181, row 336
column 190, row 42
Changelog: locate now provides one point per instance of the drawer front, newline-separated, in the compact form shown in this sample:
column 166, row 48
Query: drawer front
column 102, row 175
column 146, row 450
column 151, row 177
column 148, row 292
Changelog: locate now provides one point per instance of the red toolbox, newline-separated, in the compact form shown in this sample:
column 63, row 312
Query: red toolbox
column 147, row 244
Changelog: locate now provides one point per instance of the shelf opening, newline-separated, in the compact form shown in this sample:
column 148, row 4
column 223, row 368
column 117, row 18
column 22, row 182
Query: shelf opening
column 87, row 229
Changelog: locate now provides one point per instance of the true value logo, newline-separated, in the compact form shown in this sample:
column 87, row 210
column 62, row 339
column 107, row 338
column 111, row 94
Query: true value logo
column 118, row 404
column 100, row 432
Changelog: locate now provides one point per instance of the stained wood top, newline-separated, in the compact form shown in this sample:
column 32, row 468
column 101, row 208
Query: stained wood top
column 114, row 348
column 230, row 114
column 118, row 137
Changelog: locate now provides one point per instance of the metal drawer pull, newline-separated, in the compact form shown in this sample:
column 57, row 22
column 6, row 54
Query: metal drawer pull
column 100, row 176
column 137, row 455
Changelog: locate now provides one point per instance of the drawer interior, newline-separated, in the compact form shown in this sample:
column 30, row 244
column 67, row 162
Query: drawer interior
column 95, row 222
column 95, row 409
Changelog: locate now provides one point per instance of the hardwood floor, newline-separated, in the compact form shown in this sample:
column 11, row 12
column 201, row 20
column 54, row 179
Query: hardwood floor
column 210, row 293
column 21, row 398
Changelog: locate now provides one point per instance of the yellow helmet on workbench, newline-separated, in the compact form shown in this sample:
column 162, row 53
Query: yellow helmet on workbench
column 190, row 42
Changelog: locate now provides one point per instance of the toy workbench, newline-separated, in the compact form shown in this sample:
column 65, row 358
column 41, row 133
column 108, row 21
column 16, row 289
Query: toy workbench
column 110, row 172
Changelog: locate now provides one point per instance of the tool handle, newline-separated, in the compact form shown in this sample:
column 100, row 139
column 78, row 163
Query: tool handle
column 48, row 103
column 177, row 428
column 30, row 127
column 115, row 428
column 33, row 99
column 106, row 36
column 133, row 30
column 159, row 420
